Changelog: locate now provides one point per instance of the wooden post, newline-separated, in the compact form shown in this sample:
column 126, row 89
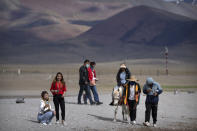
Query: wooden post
column 19, row 72
column 166, row 56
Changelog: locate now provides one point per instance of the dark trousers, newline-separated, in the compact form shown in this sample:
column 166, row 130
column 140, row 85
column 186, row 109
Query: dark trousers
column 151, row 107
column 132, row 109
column 85, row 88
column 59, row 101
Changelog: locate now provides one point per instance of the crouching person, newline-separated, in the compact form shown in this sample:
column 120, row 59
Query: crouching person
column 133, row 94
column 45, row 113
column 152, row 90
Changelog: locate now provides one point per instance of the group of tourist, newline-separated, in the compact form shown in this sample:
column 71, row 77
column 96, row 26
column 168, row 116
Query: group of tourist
column 87, row 83
column 131, row 95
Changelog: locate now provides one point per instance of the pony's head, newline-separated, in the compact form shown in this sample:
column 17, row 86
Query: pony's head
column 117, row 94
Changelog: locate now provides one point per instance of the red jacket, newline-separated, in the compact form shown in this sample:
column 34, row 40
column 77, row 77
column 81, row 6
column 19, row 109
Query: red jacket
column 90, row 75
column 58, row 86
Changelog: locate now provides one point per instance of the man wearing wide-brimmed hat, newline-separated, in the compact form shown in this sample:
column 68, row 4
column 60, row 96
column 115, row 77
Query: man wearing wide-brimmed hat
column 152, row 90
column 132, row 94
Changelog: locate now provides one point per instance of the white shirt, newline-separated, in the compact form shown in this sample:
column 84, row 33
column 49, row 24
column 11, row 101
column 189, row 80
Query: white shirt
column 94, row 78
column 42, row 105
column 132, row 93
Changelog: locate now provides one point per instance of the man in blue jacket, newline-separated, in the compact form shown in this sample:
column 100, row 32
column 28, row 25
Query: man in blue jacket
column 152, row 90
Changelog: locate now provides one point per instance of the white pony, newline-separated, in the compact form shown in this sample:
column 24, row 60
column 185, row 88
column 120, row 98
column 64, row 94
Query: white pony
column 117, row 96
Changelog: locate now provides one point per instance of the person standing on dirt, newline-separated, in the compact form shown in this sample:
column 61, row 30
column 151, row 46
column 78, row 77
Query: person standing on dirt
column 152, row 90
column 132, row 94
column 58, row 89
column 84, row 82
column 93, row 79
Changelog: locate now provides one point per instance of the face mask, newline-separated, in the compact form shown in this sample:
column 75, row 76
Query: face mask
column 87, row 65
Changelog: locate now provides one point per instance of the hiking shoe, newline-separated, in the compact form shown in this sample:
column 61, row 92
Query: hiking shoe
column 146, row 123
column 99, row 103
column 92, row 103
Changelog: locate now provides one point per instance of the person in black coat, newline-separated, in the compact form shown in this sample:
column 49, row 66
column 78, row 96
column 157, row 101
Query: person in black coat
column 122, row 75
column 84, row 82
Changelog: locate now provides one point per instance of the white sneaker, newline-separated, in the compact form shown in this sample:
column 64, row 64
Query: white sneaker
column 154, row 125
column 146, row 123
column 133, row 122
column 57, row 122
column 44, row 124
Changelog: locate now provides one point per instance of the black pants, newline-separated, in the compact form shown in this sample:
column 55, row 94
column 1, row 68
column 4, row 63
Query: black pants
column 59, row 101
column 85, row 88
column 151, row 107
column 132, row 109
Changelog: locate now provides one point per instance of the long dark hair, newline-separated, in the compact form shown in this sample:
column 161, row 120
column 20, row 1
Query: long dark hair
column 128, row 75
column 62, row 80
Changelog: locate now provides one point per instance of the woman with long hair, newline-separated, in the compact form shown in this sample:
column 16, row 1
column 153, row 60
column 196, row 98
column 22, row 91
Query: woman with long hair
column 122, row 75
column 58, row 89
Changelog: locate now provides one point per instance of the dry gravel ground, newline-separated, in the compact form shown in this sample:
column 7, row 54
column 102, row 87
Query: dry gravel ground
column 176, row 112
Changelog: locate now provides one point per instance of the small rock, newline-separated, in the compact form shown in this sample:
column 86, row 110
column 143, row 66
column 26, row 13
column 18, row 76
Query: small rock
column 190, row 92
column 20, row 100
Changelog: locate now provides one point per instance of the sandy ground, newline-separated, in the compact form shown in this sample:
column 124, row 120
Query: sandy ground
column 35, row 78
column 176, row 112
column 31, row 84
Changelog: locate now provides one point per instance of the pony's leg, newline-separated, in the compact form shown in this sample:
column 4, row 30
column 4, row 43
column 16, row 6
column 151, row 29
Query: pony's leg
column 115, row 113
column 128, row 113
column 124, row 112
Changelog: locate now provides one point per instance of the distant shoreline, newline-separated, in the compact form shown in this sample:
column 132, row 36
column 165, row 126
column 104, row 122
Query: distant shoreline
column 168, row 90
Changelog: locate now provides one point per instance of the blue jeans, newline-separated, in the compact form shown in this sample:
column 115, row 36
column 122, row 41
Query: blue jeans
column 85, row 88
column 46, row 117
column 95, row 93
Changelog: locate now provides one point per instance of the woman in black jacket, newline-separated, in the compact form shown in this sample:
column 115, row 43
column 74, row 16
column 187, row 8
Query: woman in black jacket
column 122, row 75
column 121, row 78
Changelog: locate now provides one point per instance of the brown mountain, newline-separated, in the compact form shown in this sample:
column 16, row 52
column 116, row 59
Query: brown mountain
column 141, row 32
column 144, row 25
column 34, row 31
